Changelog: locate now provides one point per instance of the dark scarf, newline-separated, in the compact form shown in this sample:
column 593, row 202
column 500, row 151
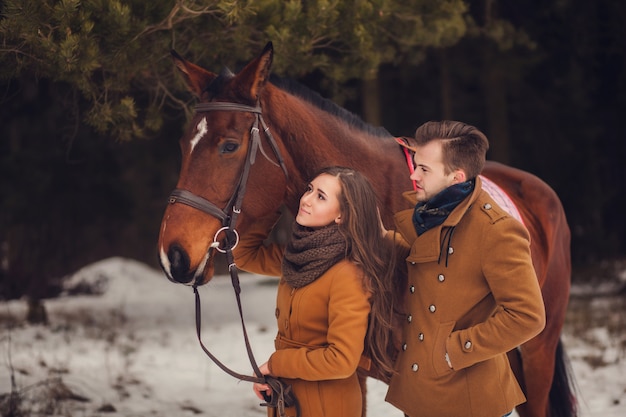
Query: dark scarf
column 311, row 252
column 432, row 213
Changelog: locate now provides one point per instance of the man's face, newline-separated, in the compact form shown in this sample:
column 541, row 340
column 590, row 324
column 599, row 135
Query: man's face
column 429, row 174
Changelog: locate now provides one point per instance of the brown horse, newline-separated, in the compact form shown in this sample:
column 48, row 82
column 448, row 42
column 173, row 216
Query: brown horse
column 252, row 145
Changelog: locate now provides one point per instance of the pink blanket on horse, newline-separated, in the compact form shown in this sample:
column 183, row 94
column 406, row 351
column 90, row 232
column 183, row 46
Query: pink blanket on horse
column 501, row 198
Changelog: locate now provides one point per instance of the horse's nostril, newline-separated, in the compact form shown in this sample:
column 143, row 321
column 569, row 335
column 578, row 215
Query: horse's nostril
column 179, row 264
column 178, row 258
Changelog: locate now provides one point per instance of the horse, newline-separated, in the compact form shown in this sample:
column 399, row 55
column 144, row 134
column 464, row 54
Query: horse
column 253, row 143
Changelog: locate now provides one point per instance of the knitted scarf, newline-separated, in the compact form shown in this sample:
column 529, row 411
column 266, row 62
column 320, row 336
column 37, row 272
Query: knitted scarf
column 432, row 213
column 311, row 252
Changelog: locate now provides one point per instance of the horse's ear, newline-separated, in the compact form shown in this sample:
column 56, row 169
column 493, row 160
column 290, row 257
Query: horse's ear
column 197, row 78
column 255, row 75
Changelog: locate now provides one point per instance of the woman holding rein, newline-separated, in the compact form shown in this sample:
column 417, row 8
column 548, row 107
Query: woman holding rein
column 334, row 301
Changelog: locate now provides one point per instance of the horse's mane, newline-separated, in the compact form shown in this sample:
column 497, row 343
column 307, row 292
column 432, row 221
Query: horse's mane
column 299, row 90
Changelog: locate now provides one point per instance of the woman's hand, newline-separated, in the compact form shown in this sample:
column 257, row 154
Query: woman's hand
column 259, row 389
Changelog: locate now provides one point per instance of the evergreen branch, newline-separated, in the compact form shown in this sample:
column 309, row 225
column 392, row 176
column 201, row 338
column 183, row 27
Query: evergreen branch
column 170, row 21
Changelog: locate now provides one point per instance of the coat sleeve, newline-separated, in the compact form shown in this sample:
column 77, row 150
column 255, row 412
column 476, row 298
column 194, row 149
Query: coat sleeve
column 253, row 255
column 348, row 311
column 520, row 313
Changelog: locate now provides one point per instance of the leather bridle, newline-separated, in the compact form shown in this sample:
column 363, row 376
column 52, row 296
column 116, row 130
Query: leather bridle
column 228, row 217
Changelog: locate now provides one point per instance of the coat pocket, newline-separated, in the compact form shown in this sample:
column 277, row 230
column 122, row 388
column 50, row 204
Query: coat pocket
column 439, row 349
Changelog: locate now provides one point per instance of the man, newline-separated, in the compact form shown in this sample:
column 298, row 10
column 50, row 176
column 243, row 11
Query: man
column 472, row 291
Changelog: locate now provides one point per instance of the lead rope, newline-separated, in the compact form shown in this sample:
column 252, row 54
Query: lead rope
column 282, row 395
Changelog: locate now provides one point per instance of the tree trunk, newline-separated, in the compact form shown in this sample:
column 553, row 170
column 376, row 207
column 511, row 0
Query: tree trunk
column 495, row 94
column 446, row 85
column 496, row 108
column 370, row 101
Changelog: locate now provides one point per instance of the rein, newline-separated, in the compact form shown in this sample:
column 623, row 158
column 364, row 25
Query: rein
column 282, row 396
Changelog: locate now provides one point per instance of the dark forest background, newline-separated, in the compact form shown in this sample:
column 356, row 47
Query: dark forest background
column 91, row 108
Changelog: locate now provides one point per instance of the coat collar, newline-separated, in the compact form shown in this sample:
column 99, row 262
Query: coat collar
column 427, row 247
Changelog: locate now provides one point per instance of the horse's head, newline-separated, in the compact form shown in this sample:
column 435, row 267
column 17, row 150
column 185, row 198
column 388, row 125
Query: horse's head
column 215, row 192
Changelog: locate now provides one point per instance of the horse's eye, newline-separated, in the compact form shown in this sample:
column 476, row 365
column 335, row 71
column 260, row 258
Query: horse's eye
column 229, row 147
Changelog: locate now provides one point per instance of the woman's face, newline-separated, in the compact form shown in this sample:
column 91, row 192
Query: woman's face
column 319, row 205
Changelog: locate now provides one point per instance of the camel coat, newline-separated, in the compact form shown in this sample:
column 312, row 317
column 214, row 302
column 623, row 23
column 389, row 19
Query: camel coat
column 321, row 330
column 473, row 293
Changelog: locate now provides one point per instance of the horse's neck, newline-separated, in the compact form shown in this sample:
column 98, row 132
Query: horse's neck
column 315, row 139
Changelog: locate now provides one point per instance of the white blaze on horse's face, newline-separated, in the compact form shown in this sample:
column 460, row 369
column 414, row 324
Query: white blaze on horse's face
column 201, row 130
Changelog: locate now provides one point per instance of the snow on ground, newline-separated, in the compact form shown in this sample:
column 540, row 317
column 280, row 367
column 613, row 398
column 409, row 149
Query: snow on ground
column 131, row 350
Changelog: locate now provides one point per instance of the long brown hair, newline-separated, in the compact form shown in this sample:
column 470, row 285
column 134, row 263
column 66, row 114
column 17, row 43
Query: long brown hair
column 360, row 224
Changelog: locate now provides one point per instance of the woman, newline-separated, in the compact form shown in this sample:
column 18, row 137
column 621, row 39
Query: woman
column 334, row 301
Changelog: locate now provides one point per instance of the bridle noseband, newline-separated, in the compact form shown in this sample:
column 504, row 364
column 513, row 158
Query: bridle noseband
column 281, row 394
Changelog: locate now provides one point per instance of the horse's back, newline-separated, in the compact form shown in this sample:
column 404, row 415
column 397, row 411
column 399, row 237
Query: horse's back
column 524, row 185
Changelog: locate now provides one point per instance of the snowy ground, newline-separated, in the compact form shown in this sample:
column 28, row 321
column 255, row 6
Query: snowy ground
column 132, row 350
